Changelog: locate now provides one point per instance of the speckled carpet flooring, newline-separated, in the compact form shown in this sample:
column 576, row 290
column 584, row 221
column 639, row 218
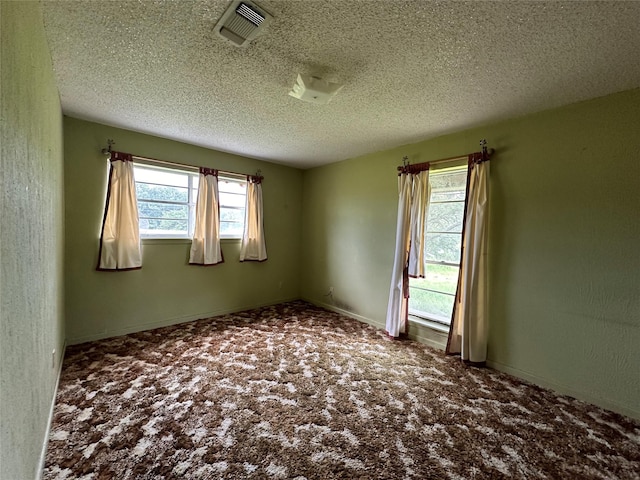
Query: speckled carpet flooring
column 296, row 392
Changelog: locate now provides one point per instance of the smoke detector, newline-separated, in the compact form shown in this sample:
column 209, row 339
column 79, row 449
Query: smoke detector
column 242, row 22
column 314, row 89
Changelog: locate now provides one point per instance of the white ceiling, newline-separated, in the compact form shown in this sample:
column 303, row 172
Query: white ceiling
column 412, row 69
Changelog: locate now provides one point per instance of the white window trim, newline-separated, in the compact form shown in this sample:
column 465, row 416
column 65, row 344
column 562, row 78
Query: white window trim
column 151, row 239
column 426, row 319
column 427, row 322
column 233, row 177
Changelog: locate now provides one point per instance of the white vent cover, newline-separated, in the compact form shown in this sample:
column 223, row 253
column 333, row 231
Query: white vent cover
column 242, row 22
column 314, row 89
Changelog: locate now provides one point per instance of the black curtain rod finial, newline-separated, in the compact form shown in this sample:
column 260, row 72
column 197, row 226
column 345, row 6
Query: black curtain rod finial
column 107, row 151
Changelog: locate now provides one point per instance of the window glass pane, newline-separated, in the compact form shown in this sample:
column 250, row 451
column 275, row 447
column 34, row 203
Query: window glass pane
column 437, row 306
column 448, row 195
column 452, row 180
column 157, row 185
column 232, row 199
column 145, row 191
column 153, row 175
column 433, row 296
column 445, row 217
column 231, row 229
column 441, row 278
column 231, row 215
column 163, row 210
column 152, row 227
column 231, row 186
column 443, row 247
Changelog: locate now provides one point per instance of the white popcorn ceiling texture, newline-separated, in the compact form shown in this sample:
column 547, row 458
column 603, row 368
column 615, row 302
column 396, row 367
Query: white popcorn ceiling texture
column 412, row 69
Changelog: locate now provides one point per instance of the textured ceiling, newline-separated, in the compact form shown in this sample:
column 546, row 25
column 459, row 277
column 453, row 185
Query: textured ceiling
column 412, row 69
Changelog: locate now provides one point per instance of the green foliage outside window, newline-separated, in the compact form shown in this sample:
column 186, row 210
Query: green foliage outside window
column 164, row 217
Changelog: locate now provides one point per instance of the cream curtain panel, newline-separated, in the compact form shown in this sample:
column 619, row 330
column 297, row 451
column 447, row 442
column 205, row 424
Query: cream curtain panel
column 120, row 236
column 253, row 247
column 419, row 213
column 469, row 324
column 205, row 246
column 413, row 205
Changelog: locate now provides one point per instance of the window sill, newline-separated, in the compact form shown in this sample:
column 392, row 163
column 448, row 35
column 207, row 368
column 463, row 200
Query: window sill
column 181, row 241
column 439, row 327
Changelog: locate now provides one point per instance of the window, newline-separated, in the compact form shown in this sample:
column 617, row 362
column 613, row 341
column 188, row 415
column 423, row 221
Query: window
column 167, row 202
column 432, row 297
column 233, row 197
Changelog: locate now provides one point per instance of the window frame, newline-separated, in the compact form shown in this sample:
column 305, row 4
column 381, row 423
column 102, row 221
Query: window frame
column 241, row 180
column 419, row 315
column 192, row 174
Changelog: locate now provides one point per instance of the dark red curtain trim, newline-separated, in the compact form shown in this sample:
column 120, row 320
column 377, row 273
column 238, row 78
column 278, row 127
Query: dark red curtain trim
column 471, row 164
column 468, row 363
column 123, row 157
column 474, row 364
column 208, row 171
column 129, row 157
column 475, row 157
column 206, row 264
column 479, row 157
column 104, row 217
column 211, row 264
column 401, row 336
column 413, row 168
column 114, row 157
column 117, row 269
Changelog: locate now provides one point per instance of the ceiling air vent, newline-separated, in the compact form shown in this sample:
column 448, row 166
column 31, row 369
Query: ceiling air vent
column 242, row 22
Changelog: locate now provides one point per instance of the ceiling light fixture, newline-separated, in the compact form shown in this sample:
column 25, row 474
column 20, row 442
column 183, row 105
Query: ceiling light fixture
column 314, row 89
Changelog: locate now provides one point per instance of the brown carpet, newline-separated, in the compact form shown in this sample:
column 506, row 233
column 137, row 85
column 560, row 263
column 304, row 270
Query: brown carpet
column 294, row 391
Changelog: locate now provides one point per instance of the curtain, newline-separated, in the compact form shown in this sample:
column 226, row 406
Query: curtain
column 413, row 205
column 205, row 246
column 253, row 247
column 419, row 213
column 469, row 322
column 120, row 236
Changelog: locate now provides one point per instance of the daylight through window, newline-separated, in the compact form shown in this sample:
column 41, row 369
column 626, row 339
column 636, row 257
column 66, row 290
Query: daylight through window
column 432, row 297
column 167, row 202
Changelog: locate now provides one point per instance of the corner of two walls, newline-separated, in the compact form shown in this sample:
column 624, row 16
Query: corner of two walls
column 347, row 206
column 167, row 290
column 564, row 268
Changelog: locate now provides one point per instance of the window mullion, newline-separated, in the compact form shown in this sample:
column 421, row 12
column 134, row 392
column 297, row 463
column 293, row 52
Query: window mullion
column 164, row 202
column 190, row 227
column 158, row 222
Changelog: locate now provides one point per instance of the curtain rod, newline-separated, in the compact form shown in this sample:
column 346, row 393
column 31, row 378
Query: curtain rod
column 107, row 151
column 478, row 157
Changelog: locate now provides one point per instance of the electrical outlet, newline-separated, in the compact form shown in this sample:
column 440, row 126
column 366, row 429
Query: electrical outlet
column 53, row 358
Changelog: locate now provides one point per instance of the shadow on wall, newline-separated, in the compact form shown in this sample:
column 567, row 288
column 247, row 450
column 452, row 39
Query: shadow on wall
column 331, row 299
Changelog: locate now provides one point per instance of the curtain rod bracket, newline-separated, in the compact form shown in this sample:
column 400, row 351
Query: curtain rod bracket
column 107, row 151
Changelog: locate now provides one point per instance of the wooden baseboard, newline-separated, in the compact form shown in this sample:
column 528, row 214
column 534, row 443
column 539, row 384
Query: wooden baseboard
column 564, row 390
column 45, row 440
column 116, row 332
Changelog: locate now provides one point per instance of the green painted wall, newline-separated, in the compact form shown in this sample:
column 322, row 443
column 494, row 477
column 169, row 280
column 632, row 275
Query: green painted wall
column 564, row 228
column 167, row 290
column 31, row 240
